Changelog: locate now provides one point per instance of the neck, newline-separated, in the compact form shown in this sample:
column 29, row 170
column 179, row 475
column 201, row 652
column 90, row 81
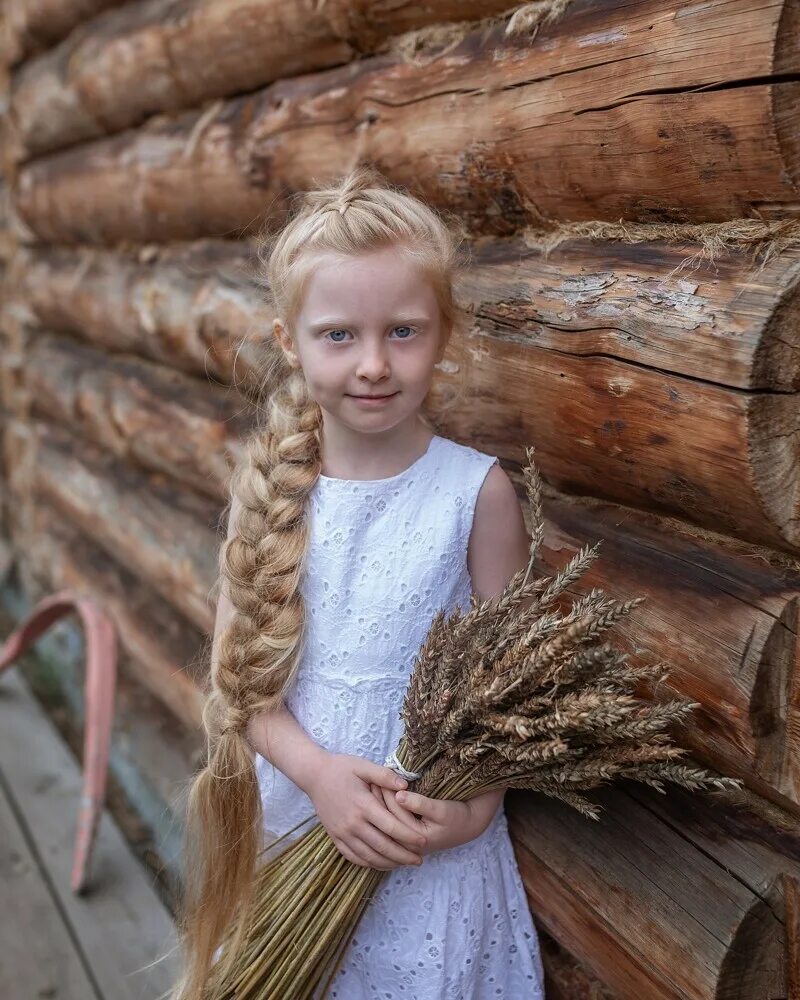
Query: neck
column 350, row 454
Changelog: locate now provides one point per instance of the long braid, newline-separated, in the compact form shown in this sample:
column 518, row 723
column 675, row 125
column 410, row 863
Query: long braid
column 261, row 563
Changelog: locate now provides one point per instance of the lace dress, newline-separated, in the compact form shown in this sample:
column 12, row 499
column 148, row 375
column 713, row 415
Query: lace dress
column 384, row 556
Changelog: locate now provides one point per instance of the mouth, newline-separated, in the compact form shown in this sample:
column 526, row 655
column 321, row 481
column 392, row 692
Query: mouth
column 385, row 396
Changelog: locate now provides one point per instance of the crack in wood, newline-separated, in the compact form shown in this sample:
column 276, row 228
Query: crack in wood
column 695, row 379
column 755, row 81
column 681, row 832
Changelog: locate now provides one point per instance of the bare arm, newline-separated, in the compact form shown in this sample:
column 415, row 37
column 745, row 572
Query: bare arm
column 277, row 736
column 498, row 547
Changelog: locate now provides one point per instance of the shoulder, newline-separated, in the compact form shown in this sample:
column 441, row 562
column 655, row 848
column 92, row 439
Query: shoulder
column 498, row 542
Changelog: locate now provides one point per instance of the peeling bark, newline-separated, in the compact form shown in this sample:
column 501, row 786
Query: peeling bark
column 146, row 58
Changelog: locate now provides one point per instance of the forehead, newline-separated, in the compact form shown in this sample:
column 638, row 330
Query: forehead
column 377, row 283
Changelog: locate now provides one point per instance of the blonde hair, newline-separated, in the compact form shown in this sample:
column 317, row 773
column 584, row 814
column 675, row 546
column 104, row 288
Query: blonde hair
column 263, row 557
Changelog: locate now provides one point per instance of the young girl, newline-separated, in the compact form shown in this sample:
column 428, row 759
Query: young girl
column 351, row 524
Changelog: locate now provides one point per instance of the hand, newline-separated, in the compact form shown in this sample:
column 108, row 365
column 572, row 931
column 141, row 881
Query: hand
column 446, row 822
column 364, row 831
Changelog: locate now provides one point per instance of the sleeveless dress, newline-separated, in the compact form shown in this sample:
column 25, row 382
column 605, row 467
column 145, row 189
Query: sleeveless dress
column 384, row 555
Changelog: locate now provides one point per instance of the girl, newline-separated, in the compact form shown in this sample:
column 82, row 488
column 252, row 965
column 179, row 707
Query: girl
column 351, row 524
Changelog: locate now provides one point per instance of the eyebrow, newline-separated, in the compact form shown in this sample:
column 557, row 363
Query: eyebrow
column 320, row 324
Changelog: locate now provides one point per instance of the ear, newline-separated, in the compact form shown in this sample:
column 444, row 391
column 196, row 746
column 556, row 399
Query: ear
column 285, row 342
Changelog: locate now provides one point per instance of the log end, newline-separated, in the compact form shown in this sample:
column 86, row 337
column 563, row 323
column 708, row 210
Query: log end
column 774, row 447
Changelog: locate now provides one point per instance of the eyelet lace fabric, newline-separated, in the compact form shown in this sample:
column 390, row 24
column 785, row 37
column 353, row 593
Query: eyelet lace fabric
column 384, row 556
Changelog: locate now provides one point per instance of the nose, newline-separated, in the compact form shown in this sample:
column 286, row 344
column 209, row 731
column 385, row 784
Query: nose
column 373, row 363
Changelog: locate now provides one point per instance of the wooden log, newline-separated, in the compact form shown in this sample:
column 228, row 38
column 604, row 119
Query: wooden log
column 197, row 306
column 165, row 650
column 166, row 536
column 31, row 25
column 635, row 381
column 706, row 144
column 192, row 306
column 754, row 839
column 564, row 977
column 142, row 59
column 654, row 909
column 141, row 412
column 791, row 891
column 725, row 621
column 722, row 458
column 651, row 304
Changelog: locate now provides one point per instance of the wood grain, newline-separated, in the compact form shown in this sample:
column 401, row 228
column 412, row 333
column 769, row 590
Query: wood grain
column 725, row 622
column 166, row 536
column 143, row 413
column 652, row 112
column 646, row 906
column 143, row 59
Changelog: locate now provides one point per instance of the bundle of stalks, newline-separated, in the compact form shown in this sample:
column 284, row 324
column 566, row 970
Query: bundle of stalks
column 515, row 693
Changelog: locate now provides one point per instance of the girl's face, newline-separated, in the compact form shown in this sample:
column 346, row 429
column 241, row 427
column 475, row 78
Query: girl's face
column 368, row 326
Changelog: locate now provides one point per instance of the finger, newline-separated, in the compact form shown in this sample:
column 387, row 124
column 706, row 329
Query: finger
column 404, row 815
column 346, row 853
column 374, row 858
column 398, row 823
column 421, row 804
column 387, row 848
column 383, row 776
column 377, row 792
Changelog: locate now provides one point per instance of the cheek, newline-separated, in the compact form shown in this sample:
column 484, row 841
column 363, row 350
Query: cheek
column 322, row 369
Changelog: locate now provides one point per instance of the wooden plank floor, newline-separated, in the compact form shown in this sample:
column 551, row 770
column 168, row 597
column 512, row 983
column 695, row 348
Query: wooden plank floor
column 115, row 942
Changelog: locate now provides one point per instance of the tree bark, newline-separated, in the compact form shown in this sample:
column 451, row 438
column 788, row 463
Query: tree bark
column 722, row 458
column 712, row 140
column 31, row 25
column 196, row 307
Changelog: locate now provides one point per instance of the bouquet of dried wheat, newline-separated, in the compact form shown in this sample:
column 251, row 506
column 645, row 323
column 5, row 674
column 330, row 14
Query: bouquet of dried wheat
column 516, row 693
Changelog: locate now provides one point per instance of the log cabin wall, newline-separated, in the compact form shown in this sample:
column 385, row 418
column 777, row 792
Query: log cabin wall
column 628, row 175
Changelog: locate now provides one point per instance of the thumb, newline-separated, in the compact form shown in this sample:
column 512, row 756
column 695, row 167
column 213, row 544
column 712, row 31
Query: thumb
column 383, row 776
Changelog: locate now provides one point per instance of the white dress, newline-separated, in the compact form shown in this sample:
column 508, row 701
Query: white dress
column 384, row 556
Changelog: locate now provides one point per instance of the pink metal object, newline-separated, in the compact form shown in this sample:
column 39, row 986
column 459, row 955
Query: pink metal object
column 101, row 679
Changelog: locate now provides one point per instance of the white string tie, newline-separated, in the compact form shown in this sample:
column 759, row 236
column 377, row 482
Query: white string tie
column 392, row 762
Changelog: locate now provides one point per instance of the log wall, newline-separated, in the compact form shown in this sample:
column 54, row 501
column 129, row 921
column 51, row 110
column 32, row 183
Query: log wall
column 143, row 143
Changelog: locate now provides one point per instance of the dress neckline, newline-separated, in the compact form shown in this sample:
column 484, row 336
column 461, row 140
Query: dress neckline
column 387, row 480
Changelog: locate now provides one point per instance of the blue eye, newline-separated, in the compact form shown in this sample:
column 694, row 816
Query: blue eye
column 330, row 333
column 335, row 331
